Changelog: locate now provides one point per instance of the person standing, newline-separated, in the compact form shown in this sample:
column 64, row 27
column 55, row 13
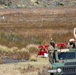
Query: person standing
column 52, row 43
column 51, row 51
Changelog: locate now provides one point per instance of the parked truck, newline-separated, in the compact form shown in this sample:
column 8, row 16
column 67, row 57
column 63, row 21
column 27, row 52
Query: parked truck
column 63, row 61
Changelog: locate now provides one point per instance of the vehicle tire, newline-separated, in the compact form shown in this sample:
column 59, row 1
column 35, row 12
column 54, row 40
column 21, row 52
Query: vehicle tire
column 51, row 73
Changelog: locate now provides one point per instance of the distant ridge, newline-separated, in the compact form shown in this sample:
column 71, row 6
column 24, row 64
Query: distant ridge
column 37, row 3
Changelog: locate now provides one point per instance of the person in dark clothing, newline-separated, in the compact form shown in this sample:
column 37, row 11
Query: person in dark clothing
column 52, row 43
column 71, row 43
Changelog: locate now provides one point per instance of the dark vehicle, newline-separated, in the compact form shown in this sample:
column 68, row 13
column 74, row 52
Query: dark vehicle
column 64, row 62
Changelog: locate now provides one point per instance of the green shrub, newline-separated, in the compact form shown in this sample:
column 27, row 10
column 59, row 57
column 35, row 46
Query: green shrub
column 60, row 4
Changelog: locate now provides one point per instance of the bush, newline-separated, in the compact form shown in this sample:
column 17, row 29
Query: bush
column 20, row 55
column 1, row 62
column 59, row 3
column 33, row 58
column 32, row 48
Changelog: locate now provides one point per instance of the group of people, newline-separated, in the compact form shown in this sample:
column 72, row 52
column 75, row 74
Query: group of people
column 70, row 44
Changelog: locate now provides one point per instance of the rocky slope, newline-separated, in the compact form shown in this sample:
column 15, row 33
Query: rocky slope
column 37, row 3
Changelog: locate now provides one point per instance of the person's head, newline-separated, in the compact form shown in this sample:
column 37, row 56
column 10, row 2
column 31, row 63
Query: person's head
column 72, row 40
column 51, row 39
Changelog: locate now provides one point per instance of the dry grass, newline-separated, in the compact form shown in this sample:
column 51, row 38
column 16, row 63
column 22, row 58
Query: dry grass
column 14, row 53
column 24, row 26
column 32, row 48
column 20, row 55
column 21, row 28
column 33, row 58
column 25, row 68
column 62, row 36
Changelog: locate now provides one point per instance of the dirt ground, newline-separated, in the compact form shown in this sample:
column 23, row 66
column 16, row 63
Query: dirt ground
column 38, row 67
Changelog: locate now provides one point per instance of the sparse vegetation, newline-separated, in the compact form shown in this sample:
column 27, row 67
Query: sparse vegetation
column 21, row 33
column 32, row 48
column 13, row 53
column 20, row 29
column 20, row 41
column 37, row 3
column 23, row 30
column 26, row 68
column 33, row 58
column 60, row 4
column 58, row 37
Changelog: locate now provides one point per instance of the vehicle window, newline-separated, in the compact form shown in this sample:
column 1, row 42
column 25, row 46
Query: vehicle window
column 67, row 55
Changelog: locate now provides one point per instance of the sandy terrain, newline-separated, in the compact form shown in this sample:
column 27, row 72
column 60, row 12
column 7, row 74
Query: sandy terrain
column 24, row 68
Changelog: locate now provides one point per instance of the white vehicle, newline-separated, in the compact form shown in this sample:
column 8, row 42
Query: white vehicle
column 75, row 32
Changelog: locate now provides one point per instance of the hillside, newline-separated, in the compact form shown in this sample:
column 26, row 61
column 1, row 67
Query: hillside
column 19, row 27
column 36, row 3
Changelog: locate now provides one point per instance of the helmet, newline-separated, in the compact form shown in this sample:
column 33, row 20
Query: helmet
column 71, row 40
